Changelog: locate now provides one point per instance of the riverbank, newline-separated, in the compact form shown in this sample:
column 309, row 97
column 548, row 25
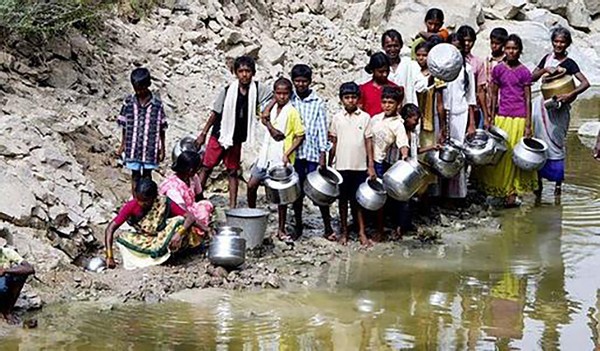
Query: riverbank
column 276, row 265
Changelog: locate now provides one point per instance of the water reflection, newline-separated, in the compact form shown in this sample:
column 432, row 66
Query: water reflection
column 534, row 286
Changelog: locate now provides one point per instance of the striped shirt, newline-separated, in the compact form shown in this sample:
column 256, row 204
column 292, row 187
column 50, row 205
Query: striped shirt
column 314, row 119
column 143, row 126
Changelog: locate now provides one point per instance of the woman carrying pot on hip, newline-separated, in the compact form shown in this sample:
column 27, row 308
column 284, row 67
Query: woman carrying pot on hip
column 551, row 117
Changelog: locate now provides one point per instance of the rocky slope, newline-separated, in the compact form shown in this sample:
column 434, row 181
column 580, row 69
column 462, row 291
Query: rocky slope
column 59, row 180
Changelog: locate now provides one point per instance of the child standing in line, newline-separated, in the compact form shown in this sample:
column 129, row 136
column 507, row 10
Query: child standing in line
column 312, row 153
column 434, row 20
column 286, row 133
column 511, row 91
column 459, row 103
column 143, row 122
column 478, row 67
column 498, row 38
column 370, row 92
column 352, row 153
column 388, row 130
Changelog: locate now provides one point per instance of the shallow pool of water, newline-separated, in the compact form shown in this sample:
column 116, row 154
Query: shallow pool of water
column 534, row 286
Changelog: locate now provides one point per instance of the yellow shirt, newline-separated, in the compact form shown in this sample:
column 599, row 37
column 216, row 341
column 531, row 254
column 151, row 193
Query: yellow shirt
column 294, row 128
column 351, row 131
column 9, row 258
column 386, row 132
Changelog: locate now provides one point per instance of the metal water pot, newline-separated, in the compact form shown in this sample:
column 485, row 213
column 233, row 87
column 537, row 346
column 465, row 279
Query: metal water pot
column 323, row 186
column 185, row 144
column 227, row 248
column 479, row 148
column 500, row 138
column 443, row 168
column 282, row 185
column 371, row 194
column 404, row 178
column 530, row 154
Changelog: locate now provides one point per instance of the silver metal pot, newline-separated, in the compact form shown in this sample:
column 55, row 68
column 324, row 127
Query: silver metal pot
column 96, row 264
column 443, row 168
column 371, row 194
column 500, row 138
column 322, row 186
column 404, row 178
column 530, row 154
column 254, row 222
column 227, row 248
column 479, row 148
column 448, row 153
column 282, row 185
column 185, row 144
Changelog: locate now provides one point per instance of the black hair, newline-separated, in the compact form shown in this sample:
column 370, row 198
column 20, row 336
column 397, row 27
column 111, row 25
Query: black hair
column 434, row 40
column 377, row 60
column 561, row 31
column 517, row 40
column 392, row 34
column 394, row 93
column 467, row 31
column 461, row 39
column 141, row 77
column 499, row 34
column 301, row 70
column 434, row 13
column 244, row 61
column 408, row 110
column 283, row 82
column 349, row 88
column 146, row 188
column 186, row 162
column 427, row 45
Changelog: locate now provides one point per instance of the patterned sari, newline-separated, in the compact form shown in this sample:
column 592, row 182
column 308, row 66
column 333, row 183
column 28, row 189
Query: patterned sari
column 154, row 232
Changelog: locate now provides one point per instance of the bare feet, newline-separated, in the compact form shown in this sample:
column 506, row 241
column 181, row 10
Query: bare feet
column 12, row 319
column 364, row 241
column 283, row 236
column 331, row 236
column 378, row 237
column 397, row 234
column 344, row 239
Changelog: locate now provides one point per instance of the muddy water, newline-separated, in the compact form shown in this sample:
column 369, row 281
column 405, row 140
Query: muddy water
column 534, row 286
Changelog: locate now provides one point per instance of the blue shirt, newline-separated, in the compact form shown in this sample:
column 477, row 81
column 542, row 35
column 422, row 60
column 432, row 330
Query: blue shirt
column 314, row 118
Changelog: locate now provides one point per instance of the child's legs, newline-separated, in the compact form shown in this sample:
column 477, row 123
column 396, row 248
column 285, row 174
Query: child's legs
column 232, row 162
column 282, row 212
column 257, row 176
column 343, row 207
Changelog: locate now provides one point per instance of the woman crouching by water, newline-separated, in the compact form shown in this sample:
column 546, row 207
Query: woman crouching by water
column 161, row 228
column 551, row 118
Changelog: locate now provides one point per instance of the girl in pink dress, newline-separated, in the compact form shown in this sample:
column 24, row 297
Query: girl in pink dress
column 184, row 188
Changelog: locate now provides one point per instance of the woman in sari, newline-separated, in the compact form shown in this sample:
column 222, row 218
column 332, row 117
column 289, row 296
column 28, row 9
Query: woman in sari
column 551, row 118
column 161, row 228
column 183, row 187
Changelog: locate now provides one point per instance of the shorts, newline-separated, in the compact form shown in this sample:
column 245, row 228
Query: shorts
column 7, row 280
column 304, row 167
column 352, row 180
column 258, row 173
column 214, row 153
column 140, row 166
column 381, row 168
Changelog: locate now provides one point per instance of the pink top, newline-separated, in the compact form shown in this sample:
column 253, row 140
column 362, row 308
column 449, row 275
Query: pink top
column 511, row 83
column 478, row 67
column 185, row 196
column 133, row 209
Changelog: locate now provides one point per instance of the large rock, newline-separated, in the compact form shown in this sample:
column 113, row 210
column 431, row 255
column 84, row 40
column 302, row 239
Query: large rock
column 62, row 74
column 578, row 15
column 556, row 6
column 546, row 18
column 17, row 201
column 357, row 14
column 506, row 9
column 593, row 6
column 271, row 51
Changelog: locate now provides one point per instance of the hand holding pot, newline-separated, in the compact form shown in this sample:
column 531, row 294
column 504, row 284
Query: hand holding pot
column 527, row 134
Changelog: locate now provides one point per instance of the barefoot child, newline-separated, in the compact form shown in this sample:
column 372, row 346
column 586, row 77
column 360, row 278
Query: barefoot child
column 352, row 153
column 279, row 146
column 143, row 124
column 13, row 275
column 231, row 124
column 388, row 130
column 511, row 91
column 312, row 153
column 478, row 68
column 498, row 38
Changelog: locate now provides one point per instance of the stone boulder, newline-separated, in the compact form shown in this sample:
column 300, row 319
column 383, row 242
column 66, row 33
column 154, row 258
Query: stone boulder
column 504, row 9
column 17, row 201
column 593, row 7
column 271, row 51
column 578, row 15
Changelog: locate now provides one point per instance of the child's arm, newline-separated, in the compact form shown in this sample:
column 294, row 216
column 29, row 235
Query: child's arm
column 121, row 148
column 494, row 102
column 201, row 139
column 370, row 158
column 441, row 115
column 333, row 140
column 424, row 149
column 161, row 150
column 109, row 234
column 472, row 125
column 482, row 101
column 404, row 152
column 298, row 139
column 528, row 133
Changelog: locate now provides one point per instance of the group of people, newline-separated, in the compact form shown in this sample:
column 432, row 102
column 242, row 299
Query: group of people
column 401, row 112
